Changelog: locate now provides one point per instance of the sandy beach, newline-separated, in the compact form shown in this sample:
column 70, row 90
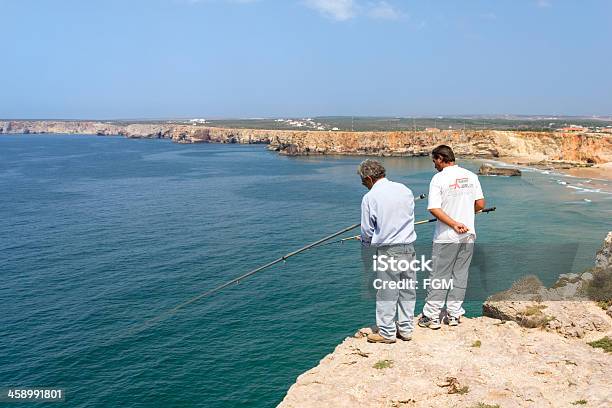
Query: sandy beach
column 601, row 171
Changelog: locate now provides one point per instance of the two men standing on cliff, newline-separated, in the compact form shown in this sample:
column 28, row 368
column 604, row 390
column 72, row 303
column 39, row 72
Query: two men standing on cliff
column 387, row 223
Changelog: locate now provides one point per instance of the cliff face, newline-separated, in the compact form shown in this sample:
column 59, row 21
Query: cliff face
column 178, row 133
column 534, row 146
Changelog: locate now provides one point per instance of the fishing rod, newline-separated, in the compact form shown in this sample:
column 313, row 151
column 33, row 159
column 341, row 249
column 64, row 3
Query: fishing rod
column 274, row 262
column 356, row 237
column 259, row 269
column 237, row 280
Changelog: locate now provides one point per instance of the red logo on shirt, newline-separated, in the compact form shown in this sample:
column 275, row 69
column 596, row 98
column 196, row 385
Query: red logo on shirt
column 461, row 183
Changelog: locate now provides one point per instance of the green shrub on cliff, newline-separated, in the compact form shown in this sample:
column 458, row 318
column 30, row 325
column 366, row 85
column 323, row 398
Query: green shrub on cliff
column 534, row 310
column 604, row 343
column 599, row 288
column 523, row 289
column 382, row 364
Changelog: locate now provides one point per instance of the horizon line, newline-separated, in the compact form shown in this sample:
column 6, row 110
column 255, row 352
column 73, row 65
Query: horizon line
column 508, row 116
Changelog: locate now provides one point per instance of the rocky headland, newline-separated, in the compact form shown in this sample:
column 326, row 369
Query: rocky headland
column 534, row 347
column 553, row 149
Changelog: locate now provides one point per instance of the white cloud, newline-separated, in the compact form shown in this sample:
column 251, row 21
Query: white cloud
column 383, row 10
column 340, row 10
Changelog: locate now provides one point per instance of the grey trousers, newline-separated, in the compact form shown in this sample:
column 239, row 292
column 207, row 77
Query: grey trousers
column 451, row 263
column 395, row 305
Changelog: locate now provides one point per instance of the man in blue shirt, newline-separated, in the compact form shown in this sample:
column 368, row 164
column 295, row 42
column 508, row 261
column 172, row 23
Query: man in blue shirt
column 387, row 223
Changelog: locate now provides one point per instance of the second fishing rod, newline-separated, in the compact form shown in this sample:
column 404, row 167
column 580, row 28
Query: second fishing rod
column 357, row 237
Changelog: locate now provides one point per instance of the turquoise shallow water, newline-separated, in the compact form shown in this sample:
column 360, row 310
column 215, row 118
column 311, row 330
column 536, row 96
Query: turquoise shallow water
column 99, row 234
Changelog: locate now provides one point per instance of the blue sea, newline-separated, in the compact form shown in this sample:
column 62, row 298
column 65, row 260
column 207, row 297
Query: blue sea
column 99, row 235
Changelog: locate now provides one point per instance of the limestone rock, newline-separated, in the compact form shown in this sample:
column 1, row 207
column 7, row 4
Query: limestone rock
column 603, row 258
column 289, row 150
column 363, row 332
column 562, row 308
column 488, row 170
column 513, row 367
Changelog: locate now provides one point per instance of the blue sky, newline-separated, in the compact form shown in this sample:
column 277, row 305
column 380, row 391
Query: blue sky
column 266, row 58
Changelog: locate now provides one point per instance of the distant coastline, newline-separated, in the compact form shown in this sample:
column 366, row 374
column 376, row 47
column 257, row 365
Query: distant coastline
column 580, row 153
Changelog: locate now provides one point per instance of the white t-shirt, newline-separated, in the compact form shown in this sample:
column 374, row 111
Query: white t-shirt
column 454, row 190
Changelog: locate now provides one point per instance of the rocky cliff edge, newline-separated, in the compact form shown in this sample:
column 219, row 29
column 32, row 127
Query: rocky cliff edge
column 560, row 359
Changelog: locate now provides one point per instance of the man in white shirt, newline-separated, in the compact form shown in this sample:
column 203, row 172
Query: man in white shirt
column 455, row 196
column 387, row 223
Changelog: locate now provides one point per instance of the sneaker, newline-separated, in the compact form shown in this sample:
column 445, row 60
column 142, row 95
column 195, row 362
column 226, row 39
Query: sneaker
column 404, row 336
column 377, row 338
column 425, row 321
column 453, row 321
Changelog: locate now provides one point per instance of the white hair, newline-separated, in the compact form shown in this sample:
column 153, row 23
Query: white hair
column 371, row 168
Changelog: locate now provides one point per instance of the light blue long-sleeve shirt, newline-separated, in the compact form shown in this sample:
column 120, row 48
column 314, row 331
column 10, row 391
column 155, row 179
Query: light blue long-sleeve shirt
column 387, row 214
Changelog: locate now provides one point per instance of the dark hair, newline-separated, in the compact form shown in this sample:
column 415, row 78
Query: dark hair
column 443, row 152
